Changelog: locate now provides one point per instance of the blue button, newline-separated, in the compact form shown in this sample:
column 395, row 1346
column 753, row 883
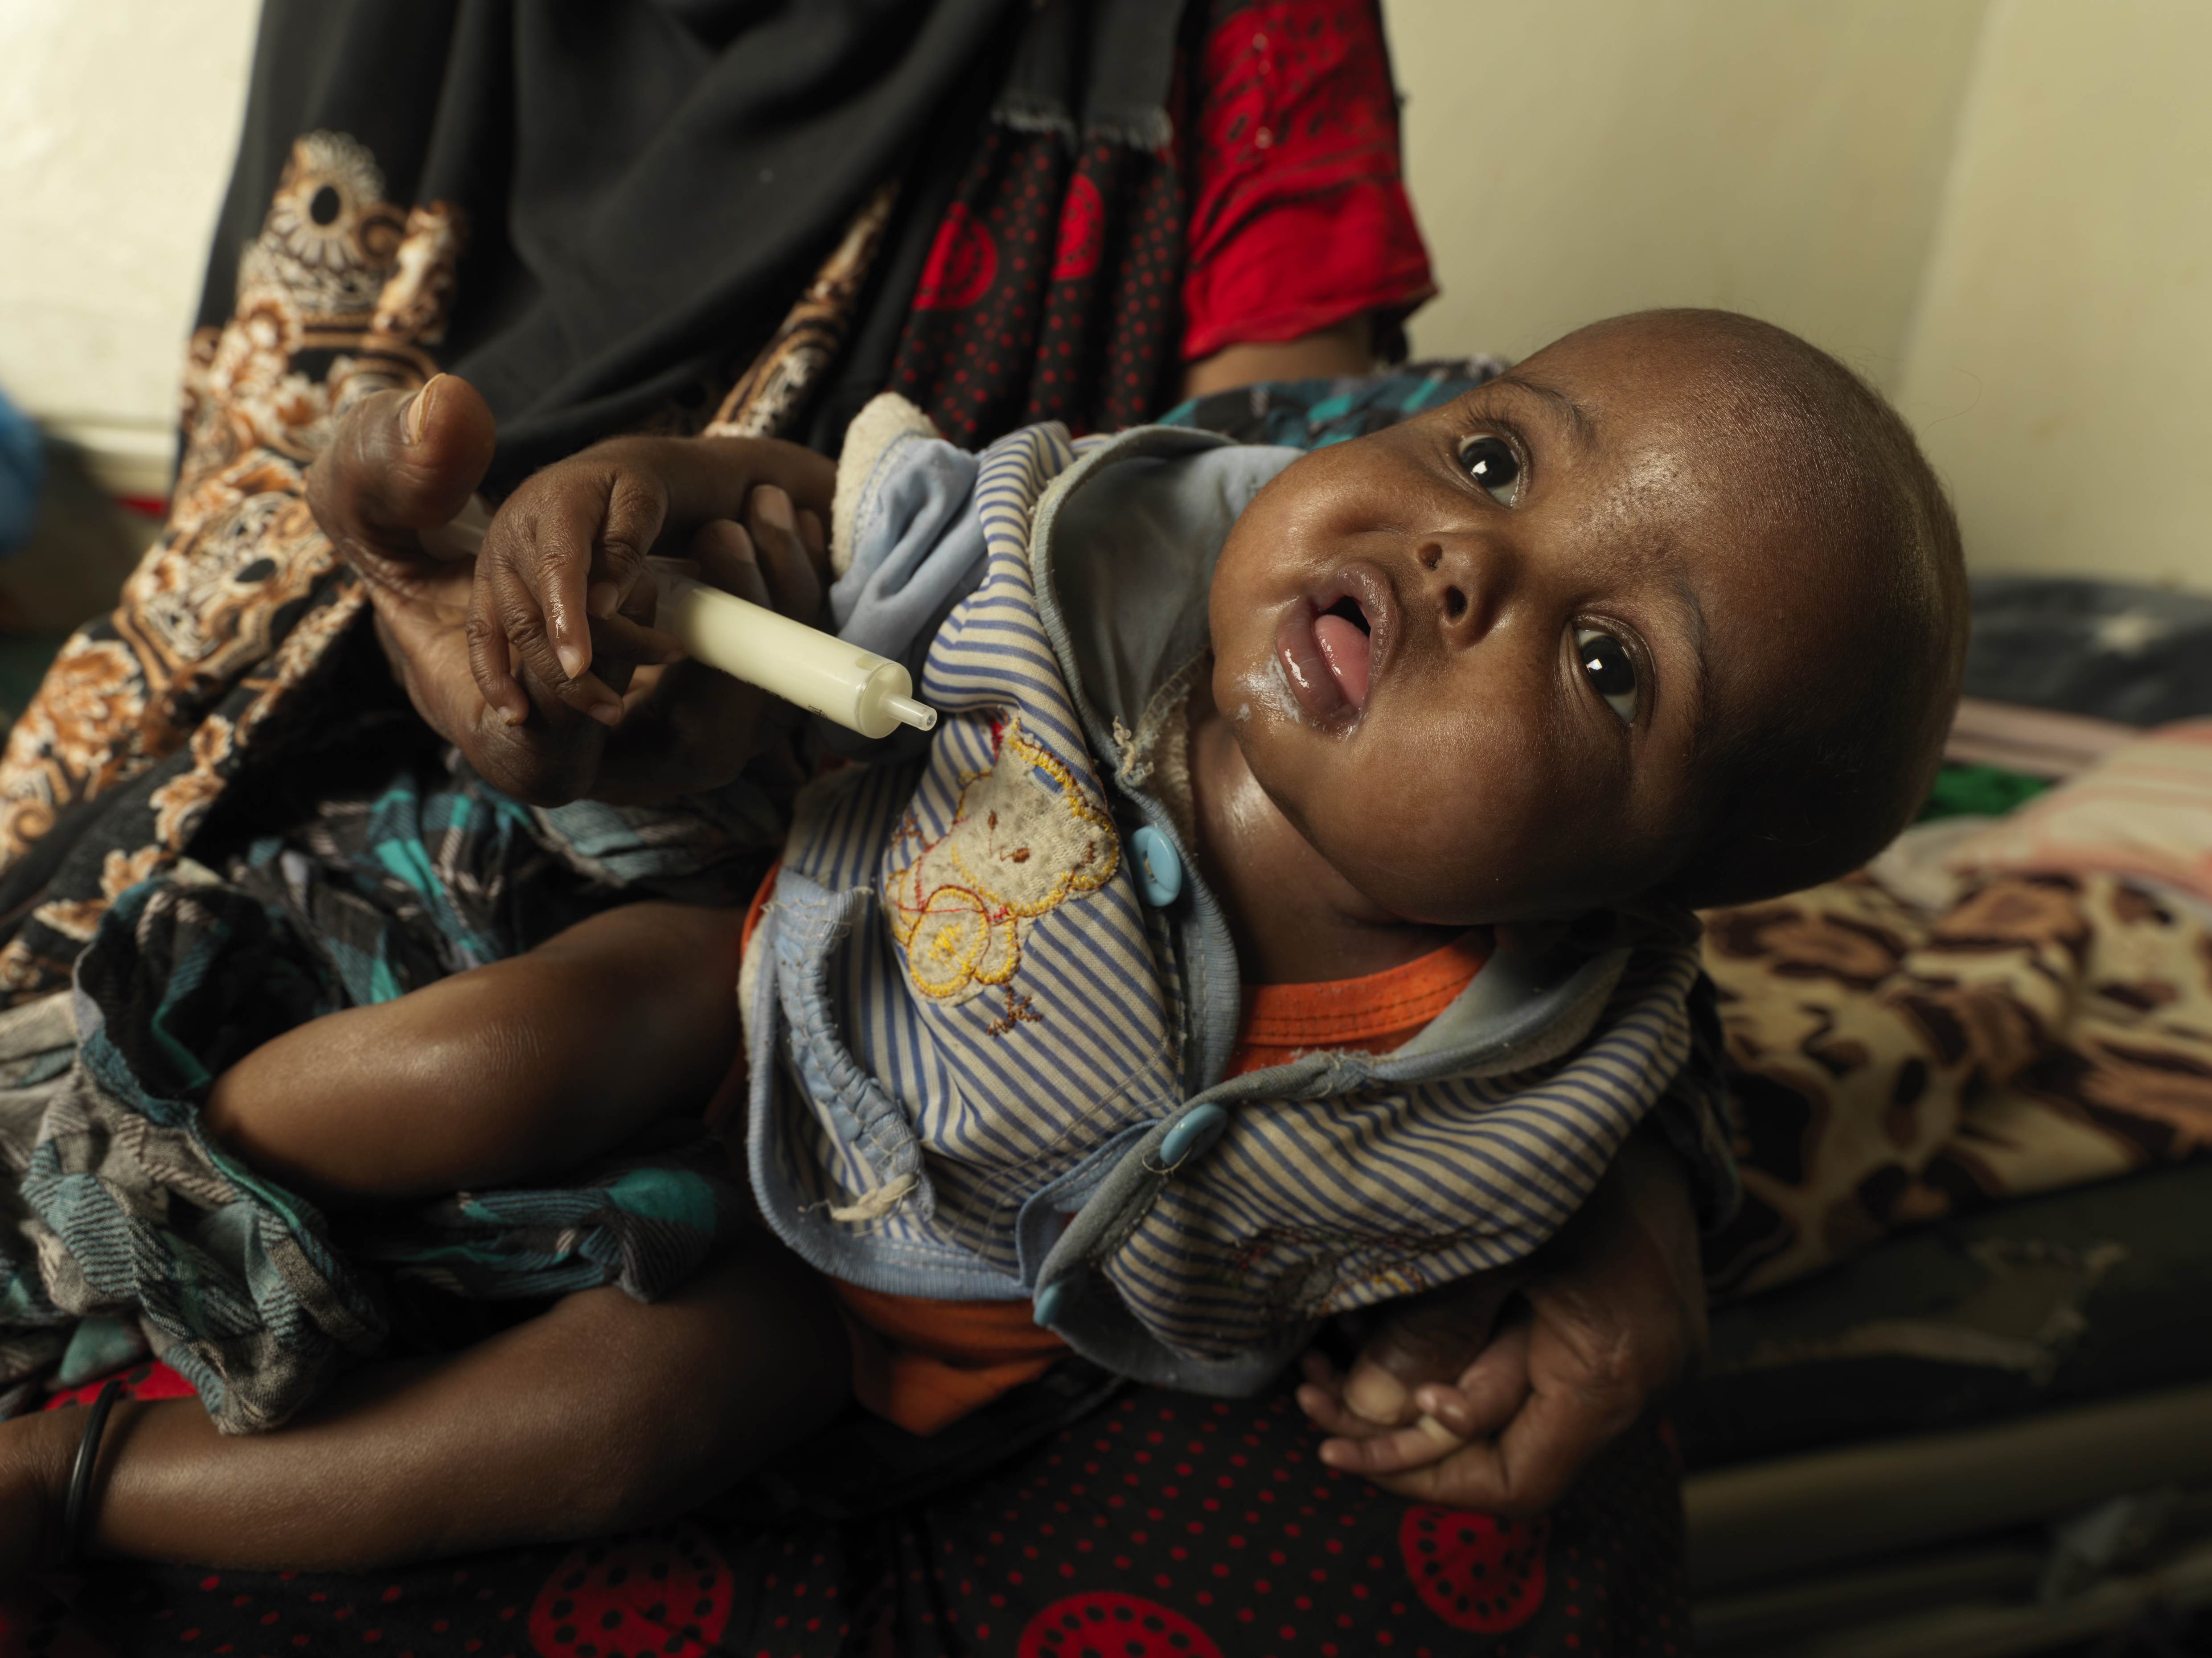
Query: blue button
column 1159, row 871
column 1048, row 1303
column 1198, row 1129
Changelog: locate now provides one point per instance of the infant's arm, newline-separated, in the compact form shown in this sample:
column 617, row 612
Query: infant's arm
column 1609, row 1312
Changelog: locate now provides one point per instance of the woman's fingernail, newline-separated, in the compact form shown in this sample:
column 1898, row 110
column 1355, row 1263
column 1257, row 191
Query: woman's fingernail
column 775, row 505
column 607, row 714
column 575, row 660
column 416, row 417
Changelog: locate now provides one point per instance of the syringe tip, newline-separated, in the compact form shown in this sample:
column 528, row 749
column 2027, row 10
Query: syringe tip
column 919, row 715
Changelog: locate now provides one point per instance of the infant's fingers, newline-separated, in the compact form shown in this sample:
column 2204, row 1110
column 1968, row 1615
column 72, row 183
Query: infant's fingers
column 772, row 524
column 1425, row 1441
column 815, row 537
column 618, row 639
column 1539, row 1453
column 569, row 531
column 1377, row 1394
column 1463, row 1479
column 491, row 658
column 726, row 559
column 1489, row 1392
column 516, row 623
column 1327, row 1412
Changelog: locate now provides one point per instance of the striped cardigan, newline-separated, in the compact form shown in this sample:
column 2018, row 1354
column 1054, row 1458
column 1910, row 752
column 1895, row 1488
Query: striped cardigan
column 991, row 1051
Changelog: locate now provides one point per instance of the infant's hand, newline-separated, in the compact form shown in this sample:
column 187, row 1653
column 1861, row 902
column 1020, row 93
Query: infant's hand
column 688, row 727
column 1609, row 1312
column 563, row 605
column 1401, row 1407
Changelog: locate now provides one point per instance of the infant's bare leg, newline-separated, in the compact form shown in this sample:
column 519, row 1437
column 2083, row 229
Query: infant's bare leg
column 499, row 1075
column 603, row 1413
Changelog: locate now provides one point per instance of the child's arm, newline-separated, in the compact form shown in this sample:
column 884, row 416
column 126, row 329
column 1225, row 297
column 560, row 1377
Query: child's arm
column 600, row 1414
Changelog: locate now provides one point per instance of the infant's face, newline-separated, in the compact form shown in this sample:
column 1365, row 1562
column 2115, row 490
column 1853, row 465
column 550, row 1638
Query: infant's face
column 1470, row 656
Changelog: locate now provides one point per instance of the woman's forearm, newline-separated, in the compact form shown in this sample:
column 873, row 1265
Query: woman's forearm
column 601, row 1414
column 1346, row 348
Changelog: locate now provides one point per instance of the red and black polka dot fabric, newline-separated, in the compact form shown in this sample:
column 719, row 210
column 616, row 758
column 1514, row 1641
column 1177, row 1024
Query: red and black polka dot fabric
column 1072, row 284
column 1048, row 293
column 1161, row 1525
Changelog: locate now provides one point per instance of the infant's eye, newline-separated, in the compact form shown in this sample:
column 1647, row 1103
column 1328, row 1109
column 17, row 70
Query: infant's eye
column 1610, row 669
column 1490, row 462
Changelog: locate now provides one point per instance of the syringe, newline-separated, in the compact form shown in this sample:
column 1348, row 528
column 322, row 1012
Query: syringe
column 818, row 671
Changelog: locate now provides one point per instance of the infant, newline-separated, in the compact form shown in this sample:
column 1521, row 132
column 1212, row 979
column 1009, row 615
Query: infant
column 1290, row 912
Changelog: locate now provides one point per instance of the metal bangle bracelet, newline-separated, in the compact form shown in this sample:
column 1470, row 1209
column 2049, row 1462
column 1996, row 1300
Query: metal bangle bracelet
column 77, row 1510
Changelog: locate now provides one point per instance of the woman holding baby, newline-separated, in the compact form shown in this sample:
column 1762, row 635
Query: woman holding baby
column 441, row 821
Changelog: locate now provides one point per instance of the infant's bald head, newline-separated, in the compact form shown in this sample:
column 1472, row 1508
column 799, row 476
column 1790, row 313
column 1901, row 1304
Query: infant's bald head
column 1797, row 449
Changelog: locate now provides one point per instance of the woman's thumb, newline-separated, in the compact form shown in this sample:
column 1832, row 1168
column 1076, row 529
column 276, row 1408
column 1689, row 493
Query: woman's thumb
column 401, row 462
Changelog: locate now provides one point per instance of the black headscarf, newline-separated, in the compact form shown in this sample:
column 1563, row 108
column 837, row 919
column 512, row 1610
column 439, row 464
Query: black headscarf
column 647, row 184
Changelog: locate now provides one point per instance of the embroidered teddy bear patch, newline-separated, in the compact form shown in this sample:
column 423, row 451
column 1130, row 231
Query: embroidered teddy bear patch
column 1025, row 838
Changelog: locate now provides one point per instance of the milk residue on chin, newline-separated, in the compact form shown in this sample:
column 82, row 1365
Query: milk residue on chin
column 1266, row 689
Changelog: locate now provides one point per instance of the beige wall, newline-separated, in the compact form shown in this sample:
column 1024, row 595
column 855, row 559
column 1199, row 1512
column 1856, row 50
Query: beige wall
column 118, row 118
column 1578, row 158
column 2061, row 372
column 1999, row 210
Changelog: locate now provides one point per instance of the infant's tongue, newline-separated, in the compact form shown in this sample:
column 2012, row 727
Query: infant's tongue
column 1344, row 648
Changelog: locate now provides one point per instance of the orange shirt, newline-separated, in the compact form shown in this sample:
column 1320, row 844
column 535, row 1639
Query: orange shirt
column 1372, row 1014
column 925, row 1364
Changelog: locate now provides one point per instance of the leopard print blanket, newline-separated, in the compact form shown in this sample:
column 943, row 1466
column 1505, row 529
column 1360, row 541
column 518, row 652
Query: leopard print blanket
column 1895, row 1062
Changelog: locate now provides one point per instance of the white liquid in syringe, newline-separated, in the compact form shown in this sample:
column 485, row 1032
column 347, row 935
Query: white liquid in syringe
column 818, row 671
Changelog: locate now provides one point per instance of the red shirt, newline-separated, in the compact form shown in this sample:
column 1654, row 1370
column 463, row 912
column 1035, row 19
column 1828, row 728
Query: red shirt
column 1298, row 215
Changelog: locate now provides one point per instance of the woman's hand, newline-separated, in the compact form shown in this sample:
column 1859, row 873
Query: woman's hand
column 561, row 616
column 487, row 662
column 1610, row 1311
column 400, row 464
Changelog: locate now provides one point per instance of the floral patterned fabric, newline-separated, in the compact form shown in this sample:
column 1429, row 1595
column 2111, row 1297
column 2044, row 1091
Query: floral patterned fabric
column 148, row 713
